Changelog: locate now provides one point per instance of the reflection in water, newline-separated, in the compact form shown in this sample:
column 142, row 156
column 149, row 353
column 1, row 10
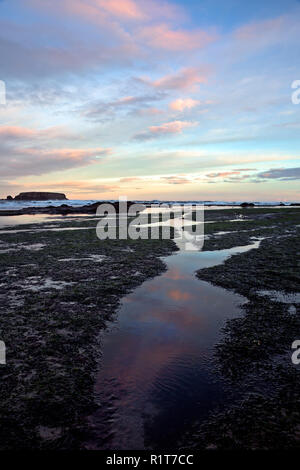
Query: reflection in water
column 156, row 376
column 15, row 220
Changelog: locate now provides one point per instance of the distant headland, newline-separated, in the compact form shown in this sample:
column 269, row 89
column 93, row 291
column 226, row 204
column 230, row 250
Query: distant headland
column 37, row 196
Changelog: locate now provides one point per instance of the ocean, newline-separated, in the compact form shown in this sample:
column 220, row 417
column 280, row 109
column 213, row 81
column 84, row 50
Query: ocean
column 6, row 205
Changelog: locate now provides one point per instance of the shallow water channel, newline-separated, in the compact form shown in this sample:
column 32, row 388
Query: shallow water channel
column 156, row 376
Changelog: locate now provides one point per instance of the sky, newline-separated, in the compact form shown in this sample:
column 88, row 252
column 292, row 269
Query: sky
column 184, row 100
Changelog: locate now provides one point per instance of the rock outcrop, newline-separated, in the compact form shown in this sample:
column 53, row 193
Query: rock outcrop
column 39, row 196
column 63, row 209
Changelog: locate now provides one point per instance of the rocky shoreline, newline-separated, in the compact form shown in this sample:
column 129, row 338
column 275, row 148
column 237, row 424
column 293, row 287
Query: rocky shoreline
column 63, row 209
column 58, row 290
column 254, row 356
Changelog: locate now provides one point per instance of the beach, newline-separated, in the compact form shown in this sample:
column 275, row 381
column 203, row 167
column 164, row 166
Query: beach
column 83, row 316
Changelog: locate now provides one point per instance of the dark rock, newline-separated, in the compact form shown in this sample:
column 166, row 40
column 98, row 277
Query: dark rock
column 63, row 209
column 9, row 198
column 247, row 204
column 39, row 196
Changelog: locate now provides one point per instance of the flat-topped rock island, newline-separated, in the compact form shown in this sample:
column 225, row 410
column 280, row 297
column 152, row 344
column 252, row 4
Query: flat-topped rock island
column 38, row 196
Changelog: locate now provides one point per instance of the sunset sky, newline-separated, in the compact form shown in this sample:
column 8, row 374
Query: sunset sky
column 150, row 99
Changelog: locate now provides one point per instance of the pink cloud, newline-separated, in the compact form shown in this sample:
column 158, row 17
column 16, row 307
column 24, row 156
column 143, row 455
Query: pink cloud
column 122, row 8
column 25, row 151
column 93, row 10
column 183, row 103
column 129, row 179
column 97, row 10
column 222, row 174
column 73, row 154
column 37, row 161
column 161, row 36
column 176, row 179
column 100, row 32
column 244, row 169
column 126, row 99
column 150, row 111
column 24, row 133
column 174, row 127
column 16, row 132
column 188, row 78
